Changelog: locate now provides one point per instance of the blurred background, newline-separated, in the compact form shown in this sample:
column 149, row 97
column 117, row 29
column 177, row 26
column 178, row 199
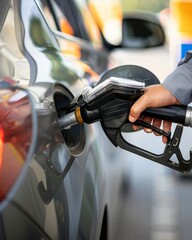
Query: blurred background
column 174, row 15
column 150, row 5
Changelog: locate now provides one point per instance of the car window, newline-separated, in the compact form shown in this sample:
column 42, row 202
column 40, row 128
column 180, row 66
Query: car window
column 13, row 63
column 90, row 24
column 71, row 17
column 55, row 17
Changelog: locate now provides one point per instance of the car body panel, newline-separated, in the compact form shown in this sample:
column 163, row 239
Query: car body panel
column 65, row 191
column 73, row 186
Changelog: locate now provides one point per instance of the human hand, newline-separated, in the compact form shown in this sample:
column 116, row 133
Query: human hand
column 154, row 96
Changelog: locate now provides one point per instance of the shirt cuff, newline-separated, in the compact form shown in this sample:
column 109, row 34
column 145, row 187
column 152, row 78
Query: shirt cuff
column 179, row 82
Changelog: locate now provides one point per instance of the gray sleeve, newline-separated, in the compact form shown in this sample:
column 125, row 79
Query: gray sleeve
column 179, row 82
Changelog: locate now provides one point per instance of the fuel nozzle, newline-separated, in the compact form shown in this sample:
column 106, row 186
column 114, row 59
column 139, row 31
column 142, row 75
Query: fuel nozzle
column 110, row 103
column 79, row 116
column 113, row 90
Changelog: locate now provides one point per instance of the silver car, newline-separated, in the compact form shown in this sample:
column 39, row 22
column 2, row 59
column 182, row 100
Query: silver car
column 54, row 183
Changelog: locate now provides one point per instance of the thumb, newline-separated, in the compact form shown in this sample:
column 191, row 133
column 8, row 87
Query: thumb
column 138, row 107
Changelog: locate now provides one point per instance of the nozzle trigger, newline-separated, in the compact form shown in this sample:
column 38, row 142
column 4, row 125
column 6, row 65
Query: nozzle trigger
column 155, row 129
column 171, row 149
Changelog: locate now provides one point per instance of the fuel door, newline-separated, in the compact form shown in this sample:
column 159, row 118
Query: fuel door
column 74, row 137
column 57, row 148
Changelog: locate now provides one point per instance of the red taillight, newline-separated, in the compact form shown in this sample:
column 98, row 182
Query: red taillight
column 15, row 136
column 1, row 146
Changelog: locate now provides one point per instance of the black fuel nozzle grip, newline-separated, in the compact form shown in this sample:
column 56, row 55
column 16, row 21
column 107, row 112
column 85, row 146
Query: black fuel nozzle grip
column 112, row 110
column 110, row 103
column 175, row 114
column 114, row 114
column 112, row 129
column 171, row 149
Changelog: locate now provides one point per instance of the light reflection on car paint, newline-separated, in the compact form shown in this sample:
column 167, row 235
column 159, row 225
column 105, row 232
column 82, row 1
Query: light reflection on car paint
column 48, row 65
column 15, row 115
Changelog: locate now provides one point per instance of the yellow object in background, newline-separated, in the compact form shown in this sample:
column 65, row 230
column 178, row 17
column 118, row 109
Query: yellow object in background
column 108, row 14
column 180, row 37
column 181, row 11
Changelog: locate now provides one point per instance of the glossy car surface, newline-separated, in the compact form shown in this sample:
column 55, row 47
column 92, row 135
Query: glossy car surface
column 67, row 191
column 71, row 184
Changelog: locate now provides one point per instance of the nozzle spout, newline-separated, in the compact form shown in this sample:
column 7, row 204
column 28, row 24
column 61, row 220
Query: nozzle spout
column 67, row 120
